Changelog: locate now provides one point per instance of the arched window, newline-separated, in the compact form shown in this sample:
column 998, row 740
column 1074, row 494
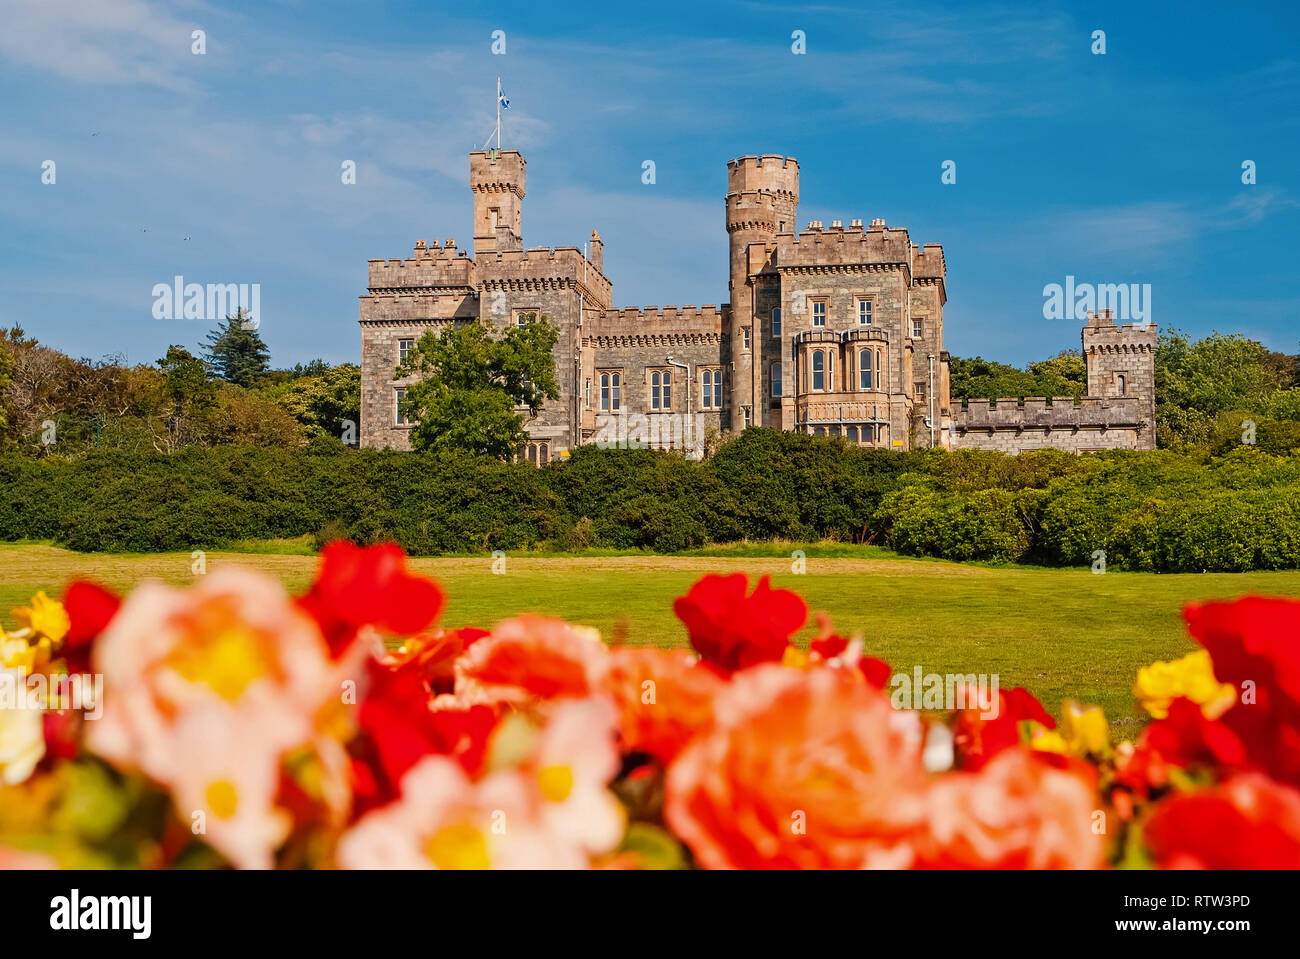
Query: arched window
column 604, row 391
column 532, row 453
column 543, row 454
column 655, row 391
column 775, row 376
column 880, row 371
column 776, row 322
column 852, row 433
column 830, row 370
column 616, row 389
column 668, row 390
column 864, row 370
column 818, row 370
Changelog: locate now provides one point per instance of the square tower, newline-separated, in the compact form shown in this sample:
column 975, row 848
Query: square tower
column 497, row 178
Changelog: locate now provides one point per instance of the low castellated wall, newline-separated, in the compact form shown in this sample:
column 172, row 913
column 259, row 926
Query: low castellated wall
column 656, row 323
column 1089, row 424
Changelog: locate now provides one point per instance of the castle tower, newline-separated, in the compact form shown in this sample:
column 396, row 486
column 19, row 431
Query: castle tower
column 497, row 179
column 762, row 201
column 1121, row 362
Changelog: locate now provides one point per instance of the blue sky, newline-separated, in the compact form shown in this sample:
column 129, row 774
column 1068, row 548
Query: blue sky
column 225, row 168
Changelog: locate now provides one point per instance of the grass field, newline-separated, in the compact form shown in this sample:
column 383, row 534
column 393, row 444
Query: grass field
column 1061, row 633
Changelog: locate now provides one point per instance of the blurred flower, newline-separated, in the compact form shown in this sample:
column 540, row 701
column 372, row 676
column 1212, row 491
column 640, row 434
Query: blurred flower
column 732, row 631
column 663, row 698
column 978, row 739
column 442, row 820
column 22, row 733
column 801, row 769
column 90, row 609
column 1255, row 647
column 1191, row 677
column 1248, row 822
column 1015, row 813
column 532, row 657
column 359, row 586
column 1084, row 728
column 1186, row 736
column 574, row 762
column 205, row 690
column 44, row 617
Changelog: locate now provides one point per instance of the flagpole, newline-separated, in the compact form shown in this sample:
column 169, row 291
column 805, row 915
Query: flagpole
column 498, row 114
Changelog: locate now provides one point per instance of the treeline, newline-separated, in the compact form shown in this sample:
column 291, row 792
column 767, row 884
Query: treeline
column 54, row 405
column 1146, row 511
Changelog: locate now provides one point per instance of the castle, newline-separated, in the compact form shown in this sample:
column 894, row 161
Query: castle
column 833, row 331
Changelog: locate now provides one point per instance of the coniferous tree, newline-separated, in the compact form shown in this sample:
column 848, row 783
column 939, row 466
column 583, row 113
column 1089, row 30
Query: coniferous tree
column 236, row 352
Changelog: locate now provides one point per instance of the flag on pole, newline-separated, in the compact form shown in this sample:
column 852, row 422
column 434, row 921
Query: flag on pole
column 505, row 101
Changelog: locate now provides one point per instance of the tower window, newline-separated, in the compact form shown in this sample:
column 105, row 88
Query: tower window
column 918, row 327
column 524, row 317
column 399, row 407
column 776, row 379
column 404, row 348
column 818, row 370
column 776, row 322
column 819, row 312
column 744, row 337
column 864, row 370
column 920, row 390
column 864, row 312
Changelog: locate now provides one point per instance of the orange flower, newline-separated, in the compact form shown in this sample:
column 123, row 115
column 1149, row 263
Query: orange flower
column 531, row 657
column 663, row 697
column 801, row 769
column 1017, row 812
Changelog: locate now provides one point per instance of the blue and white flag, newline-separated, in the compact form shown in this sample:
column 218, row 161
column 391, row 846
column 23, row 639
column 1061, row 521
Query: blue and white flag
column 504, row 100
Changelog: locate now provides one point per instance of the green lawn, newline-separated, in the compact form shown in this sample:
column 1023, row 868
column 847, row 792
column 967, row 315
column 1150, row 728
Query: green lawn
column 1061, row 633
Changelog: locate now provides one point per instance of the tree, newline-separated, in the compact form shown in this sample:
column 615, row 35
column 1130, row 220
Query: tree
column 236, row 351
column 472, row 384
column 190, row 393
column 322, row 401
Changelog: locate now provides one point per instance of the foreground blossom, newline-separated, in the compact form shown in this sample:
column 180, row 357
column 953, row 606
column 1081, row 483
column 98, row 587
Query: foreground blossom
column 664, row 697
column 205, row 690
column 1247, row 822
column 531, row 657
column 801, row 769
column 1017, row 812
column 731, row 630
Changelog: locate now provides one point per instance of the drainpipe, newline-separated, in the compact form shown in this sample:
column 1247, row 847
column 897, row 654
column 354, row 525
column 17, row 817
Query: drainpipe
column 683, row 366
column 929, row 420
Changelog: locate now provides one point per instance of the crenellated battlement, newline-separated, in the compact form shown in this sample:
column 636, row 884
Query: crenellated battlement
column 770, row 173
column 654, row 319
column 1040, row 412
column 544, row 263
column 431, row 266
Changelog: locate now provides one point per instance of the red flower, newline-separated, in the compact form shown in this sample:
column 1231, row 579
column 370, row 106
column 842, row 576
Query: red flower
column 90, row 608
column 1248, row 822
column 1255, row 645
column 357, row 587
column 976, row 739
column 733, row 631
column 1186, row 737
column 875, row 671
column 399, row 729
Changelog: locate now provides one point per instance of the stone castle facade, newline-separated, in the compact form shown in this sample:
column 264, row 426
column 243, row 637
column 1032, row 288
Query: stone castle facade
column 831, row 330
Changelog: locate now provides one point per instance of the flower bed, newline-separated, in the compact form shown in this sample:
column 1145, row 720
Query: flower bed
column 230, row 724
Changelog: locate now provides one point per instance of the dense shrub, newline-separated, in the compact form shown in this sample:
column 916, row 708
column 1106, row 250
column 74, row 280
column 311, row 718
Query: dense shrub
column 1147, row 511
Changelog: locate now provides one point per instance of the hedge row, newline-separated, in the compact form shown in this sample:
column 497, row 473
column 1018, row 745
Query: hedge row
column 1150, row 511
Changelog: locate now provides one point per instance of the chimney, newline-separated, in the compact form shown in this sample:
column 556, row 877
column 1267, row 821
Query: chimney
column 597, row 254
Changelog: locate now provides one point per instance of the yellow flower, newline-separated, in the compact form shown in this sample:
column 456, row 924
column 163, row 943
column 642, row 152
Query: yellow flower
column 1161, row 683
column 1049, row 742
column 44, row 617
column 1084, row 729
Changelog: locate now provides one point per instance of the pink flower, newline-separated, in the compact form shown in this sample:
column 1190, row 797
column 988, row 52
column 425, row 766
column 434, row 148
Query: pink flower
column 529, row 658
column 205, row 690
